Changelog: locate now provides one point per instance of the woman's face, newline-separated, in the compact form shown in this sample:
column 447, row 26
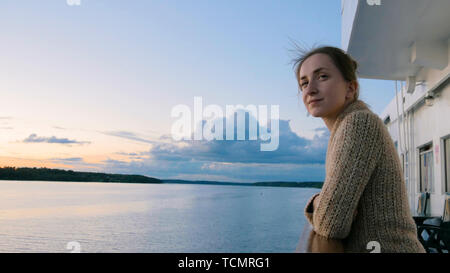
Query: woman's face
column 325, row 92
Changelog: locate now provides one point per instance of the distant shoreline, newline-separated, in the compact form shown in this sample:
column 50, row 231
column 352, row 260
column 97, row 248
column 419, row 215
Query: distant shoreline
column 57, row 175
column 261, row 184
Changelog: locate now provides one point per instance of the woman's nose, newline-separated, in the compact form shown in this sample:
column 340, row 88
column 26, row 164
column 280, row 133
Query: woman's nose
column 311, row 88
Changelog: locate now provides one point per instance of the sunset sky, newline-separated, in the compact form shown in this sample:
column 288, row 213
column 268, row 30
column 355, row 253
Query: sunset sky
column 91, row 87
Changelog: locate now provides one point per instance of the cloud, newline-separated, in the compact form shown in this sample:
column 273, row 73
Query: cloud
column 128, row 135
column 321, row 129
column 296, row 159
column 232, row 172
column 292, row 149
column 33, row 138
column 69, row 159
column 134, row 156
column 128, row 154
column 76, row 163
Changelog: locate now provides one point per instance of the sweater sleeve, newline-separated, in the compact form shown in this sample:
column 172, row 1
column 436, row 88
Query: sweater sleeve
column 353, row 157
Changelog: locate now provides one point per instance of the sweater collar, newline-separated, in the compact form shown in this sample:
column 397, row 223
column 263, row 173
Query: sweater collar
column 352, row 107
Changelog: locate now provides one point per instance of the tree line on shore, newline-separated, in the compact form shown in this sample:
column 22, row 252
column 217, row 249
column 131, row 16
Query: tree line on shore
column 46, row 174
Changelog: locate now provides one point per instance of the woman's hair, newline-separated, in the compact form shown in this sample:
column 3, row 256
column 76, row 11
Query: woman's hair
column 343, row 61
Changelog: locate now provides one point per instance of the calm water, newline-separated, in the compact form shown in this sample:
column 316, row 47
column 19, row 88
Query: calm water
column 101, row 217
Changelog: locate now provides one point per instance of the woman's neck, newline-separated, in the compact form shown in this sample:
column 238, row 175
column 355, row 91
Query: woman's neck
column 329, row 122
column 331, row 119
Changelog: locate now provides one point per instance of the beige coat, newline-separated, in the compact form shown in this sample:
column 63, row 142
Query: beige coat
column 363, row 173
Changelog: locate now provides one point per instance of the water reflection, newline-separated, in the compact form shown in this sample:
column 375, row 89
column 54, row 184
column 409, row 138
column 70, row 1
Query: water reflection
column 104, row 217
column 75, row 211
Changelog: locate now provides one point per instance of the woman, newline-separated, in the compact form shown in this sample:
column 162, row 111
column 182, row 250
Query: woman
column 363, row 201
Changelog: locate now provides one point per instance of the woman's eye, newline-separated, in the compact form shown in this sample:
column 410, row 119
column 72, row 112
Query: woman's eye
column 325, row 76
column 304, row 83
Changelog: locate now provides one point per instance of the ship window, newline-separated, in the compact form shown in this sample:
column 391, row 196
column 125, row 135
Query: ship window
column 403, row 162
column 406, row 169
column 426, row 169
column 447, row 164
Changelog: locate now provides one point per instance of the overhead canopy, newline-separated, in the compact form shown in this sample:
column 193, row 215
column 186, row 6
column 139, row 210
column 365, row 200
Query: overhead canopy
column 397, row 38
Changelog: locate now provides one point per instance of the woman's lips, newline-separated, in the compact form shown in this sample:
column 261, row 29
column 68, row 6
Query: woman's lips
column 312, row 102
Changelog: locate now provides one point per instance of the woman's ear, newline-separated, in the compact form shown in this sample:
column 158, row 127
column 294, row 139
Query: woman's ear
column 351, row 90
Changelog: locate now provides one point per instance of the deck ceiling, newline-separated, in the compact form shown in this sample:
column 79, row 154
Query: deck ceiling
column 383, row 37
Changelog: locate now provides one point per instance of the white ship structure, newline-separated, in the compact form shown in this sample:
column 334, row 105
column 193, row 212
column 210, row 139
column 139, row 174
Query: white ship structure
column 407, row 41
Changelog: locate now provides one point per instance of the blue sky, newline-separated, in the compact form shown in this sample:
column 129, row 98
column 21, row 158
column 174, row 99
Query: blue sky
column 91, row 87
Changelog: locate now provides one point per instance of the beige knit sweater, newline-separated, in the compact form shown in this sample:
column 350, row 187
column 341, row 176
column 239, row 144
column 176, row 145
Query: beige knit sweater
column 363, row 173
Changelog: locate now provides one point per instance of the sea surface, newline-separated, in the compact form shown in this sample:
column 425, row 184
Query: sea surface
column 42, row 216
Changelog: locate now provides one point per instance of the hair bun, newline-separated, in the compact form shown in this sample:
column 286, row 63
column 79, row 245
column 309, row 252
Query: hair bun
column 355, row 65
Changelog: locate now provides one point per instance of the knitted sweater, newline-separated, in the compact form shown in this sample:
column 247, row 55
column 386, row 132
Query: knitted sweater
column 363, row 173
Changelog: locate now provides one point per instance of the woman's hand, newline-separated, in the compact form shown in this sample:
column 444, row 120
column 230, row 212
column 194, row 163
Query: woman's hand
column 316, row 202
